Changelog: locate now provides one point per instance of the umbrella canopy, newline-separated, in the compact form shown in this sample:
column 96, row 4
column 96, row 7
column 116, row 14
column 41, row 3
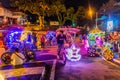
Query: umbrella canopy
column 69, row 30
column 13, row 27
column 95, row 30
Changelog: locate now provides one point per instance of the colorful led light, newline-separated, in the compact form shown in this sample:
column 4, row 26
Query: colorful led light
column 73, row 53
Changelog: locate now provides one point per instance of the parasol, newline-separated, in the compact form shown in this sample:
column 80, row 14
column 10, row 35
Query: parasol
column 69, row 30
column 95, row 30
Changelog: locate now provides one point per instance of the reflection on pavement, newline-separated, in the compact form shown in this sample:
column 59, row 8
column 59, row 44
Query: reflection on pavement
column 21, row 72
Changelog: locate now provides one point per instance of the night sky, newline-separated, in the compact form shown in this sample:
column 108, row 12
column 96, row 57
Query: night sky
column 75, row 3
column 94, row 3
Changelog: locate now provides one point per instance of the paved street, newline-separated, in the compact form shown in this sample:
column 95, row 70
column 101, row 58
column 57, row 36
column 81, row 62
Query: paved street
column 43, row 67
column 90, row 68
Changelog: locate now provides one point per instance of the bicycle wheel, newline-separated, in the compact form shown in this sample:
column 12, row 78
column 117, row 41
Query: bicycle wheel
column 63, row 58
column 6, row 57
column 31, row 55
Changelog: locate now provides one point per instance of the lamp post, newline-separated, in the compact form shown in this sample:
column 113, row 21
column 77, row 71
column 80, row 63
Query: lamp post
column 96, row 21
column 90, row 12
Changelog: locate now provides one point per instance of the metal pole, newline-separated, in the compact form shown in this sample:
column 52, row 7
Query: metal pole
column 96, row 19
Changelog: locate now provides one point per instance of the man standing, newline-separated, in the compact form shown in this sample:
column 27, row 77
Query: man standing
column 43, row 41
column 60, row 41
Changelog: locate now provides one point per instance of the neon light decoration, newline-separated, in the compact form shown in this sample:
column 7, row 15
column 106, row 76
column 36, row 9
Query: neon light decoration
column 12, row 39
column 95, row 37
column 73, row 53
column 19, row 38
column 51, row 35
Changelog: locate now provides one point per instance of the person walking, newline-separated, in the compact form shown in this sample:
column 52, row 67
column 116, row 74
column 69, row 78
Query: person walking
column 43, row 41
column 61, row 38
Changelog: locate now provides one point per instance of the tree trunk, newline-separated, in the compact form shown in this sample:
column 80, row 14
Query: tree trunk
column 60, row 23
column 41, row 22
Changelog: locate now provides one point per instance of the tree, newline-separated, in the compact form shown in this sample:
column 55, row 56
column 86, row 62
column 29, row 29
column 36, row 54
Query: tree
column 59, row 9
column 109, row 7
column 80, row 14
column 38, row 7
column 48, row 8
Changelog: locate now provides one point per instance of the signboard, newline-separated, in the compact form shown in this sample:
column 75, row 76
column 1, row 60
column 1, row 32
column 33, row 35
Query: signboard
column 109, row 26
column 56, row 23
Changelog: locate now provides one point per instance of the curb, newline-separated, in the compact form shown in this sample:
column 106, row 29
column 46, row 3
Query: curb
column 116, row 61
column 110, row 62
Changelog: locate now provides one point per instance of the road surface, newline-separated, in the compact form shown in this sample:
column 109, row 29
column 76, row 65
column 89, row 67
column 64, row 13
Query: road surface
column 89, row 68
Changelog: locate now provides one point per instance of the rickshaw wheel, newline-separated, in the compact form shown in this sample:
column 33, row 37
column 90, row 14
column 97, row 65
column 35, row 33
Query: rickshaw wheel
column 63, row 58
column 6, row 57
column 31, row 55
column 108, row 55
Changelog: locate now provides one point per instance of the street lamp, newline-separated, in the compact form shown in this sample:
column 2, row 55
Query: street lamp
column 90, row 12
column 96, row 21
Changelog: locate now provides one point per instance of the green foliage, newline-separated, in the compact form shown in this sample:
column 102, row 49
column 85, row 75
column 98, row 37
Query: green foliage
column 50, row 8
column 34, row 6
column 59, row 9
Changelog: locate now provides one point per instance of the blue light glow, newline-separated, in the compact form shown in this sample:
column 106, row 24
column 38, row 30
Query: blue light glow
column 109, row 25
column 13, row 38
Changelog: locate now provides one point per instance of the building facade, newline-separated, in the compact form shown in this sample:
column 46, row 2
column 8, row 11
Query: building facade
column 11, row 17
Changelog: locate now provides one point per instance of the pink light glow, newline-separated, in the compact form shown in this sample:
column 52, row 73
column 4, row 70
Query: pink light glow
column 99, row 41
column 86, row 44
column 73, row 53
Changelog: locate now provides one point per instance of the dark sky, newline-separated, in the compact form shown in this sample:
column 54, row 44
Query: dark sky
column 75, row 3
column 95, row 3
column 5, row 3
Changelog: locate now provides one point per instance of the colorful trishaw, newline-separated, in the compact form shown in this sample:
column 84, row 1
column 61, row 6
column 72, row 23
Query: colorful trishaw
column 71, row 51
column 95, row 39
column 17, row 37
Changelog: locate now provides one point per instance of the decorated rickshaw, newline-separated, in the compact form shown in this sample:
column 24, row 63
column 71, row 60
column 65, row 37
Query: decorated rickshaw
column 17, row 37
column 98, row 44
column 106, row 51
column 71, row 50
column 95, row 39
column 113, row 36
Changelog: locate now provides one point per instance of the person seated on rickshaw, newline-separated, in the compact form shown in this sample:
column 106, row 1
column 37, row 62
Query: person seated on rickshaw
column 17, row 58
